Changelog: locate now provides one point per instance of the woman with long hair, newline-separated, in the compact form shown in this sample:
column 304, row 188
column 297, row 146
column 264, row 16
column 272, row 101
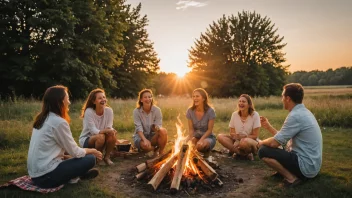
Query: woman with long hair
column 149, row 133
column 244, row 129
column 201, row 117
column 51, row 138
column 97, row 125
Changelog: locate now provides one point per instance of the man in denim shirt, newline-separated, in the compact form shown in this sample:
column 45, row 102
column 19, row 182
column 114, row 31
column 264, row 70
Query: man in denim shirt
column 301, row 132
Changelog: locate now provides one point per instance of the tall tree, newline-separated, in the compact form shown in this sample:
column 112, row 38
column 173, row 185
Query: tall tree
column 139, row 62
column 240, row 54
column 48, row 42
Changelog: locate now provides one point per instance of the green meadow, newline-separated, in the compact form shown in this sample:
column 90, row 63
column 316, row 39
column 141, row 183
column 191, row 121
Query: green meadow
column 332, row 107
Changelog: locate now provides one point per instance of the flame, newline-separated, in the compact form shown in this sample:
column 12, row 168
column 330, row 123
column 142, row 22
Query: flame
column 179, row 141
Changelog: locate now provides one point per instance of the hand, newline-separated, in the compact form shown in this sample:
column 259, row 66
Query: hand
column 97, row 154
column 110, row 131
column 259, row 144
column 238, row 136
column 146, row 143
column 200, row 143
column 264, row 122
column 155, row 128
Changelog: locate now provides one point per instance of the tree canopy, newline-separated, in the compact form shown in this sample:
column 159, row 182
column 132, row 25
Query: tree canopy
column 82, row 44
column 239, row 54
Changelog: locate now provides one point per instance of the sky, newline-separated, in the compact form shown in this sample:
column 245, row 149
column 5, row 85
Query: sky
column 318, row 33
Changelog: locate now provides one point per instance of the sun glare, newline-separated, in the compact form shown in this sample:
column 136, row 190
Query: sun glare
column 181, row 72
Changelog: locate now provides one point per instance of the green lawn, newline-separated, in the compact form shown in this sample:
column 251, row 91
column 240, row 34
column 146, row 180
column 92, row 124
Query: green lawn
column 334, row 180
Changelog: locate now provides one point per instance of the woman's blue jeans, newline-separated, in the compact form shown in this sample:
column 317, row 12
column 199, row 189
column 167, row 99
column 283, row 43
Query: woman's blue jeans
column 68, row 169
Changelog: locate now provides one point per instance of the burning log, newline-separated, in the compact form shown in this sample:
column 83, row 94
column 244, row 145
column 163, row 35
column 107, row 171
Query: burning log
column 208, row 170
column 152, row 162
column 159, row 176
column 180, row 167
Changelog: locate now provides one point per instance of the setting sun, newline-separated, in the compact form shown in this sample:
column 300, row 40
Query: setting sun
column 181, row 71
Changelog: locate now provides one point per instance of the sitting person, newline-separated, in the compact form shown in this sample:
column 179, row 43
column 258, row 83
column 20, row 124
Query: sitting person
column 149, row 134
column 201, row 118
column 97, row 125
column 244, row 129
column 51, row 137
column 304, row 157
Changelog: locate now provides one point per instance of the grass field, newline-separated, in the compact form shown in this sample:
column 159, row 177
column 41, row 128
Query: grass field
column 331, row 106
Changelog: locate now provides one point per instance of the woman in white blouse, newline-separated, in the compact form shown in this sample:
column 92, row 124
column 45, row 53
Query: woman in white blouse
column 51, row 137
column 244, row 129
column 97, row 125
column 149, row 133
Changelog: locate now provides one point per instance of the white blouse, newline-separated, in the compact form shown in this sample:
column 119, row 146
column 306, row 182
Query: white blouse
column 48, row 144
column 93, row 123
column 246, row 127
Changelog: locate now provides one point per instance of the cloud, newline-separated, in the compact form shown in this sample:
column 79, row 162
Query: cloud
column 182, row 5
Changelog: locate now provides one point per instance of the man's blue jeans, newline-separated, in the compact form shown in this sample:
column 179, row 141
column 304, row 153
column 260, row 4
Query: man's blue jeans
column 66, row 170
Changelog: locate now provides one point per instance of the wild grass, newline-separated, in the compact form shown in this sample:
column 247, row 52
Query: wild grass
column 333, row 113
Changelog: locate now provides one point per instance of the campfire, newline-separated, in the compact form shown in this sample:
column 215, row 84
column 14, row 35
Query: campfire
column 180, row 167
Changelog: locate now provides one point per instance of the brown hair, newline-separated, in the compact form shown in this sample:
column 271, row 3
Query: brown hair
column 53, row 101
column 295, row 91
column 251, row 108
column 139, row 104
column 205, row 95
column 89, row 103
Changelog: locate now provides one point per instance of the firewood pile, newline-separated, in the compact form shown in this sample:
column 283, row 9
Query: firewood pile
column 184, row 170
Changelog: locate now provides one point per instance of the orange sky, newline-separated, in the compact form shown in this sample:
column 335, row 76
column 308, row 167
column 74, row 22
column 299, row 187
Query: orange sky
column 318, row 33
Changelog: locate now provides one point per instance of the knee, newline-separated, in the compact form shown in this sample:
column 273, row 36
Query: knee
column 144, row 146
column 110, row 139
column 163, row 132
column 100, row 139
column 263, row 152
column 203, row 146
column 220, row 137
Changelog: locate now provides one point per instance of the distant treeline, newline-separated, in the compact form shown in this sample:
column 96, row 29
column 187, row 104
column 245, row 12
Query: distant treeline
column 339, row 76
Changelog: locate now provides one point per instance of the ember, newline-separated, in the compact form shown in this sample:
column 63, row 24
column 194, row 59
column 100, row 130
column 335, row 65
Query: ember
column 181, row 168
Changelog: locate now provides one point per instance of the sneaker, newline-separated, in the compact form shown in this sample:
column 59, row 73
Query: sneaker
column 74, row 180
column 92, row 173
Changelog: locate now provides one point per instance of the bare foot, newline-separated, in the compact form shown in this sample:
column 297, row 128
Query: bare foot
column 108, row 161
column 100, row 163
column 250, row 157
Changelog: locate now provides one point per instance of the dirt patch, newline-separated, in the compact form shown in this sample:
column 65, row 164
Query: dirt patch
column 240, row 178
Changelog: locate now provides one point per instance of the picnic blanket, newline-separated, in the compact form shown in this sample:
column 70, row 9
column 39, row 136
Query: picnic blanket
column 25, row 183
